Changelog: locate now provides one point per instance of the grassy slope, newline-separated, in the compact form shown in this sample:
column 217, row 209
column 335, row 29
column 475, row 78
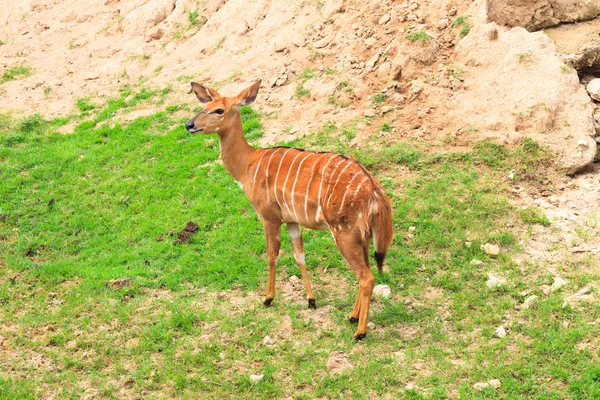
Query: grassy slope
column 83, row 208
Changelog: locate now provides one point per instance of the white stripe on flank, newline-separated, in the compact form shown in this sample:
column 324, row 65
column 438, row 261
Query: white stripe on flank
column 359, row 186
column 337, row 181
column 346, row 193
column 296, row 181
column 321, row 187
column 277, row 176
column 267, row 174
column 256, row 171
column 286, row 179
column 312, row 173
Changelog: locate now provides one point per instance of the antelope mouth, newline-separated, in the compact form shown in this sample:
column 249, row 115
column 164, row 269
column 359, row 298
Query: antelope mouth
column 192, row 131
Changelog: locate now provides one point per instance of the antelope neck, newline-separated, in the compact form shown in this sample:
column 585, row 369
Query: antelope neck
column 236, row 153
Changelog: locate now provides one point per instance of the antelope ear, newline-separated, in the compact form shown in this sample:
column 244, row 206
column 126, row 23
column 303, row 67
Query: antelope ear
column 203, row 93
column 247, row 96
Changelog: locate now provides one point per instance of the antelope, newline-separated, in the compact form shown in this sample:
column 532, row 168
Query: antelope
column 297, row 187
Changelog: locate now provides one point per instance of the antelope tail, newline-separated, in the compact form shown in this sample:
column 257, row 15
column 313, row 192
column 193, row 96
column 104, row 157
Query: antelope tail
column 381, row 227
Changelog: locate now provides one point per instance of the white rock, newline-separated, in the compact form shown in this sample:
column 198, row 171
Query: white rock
column 500, row 332
column 384, row 19
column 373, row 60
column 371, row 325
column 490, row 249
column 593, row 88
column 528, row 302
column 319, row 44
column 494, row 281
column 257, row 378
column 443, row 23
column 480, row 385
column 267, row 341
column 585, row 290
column 495, row 383
column 557, row 284
column 382, row 291
column 477, row 262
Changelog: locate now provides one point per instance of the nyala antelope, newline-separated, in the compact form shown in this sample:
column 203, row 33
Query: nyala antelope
column 296, row 187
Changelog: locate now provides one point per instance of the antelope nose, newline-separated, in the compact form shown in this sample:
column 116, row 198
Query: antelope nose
column 189, row 126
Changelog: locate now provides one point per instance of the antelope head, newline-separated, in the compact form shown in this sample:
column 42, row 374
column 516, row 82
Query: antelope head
column 219, row 112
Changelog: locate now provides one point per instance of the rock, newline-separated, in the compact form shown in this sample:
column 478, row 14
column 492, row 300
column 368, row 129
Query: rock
column 267, row 341
column 476, row 262
column 557, row 284
column 370, row 113
column 585, row 290
column 384, row 19
column 138, row 18
column 536, row 15
column 386, row 109
column 384, row 70
column 492, row 32
column 373, row 60
column 480, row 385
column 443, row 23
column 490, row 249
column 298, row 41
column 257, row 378
column 293, row 279
column 593, row 89
column 495, row 383
column 382, row 291
column 371, row 325
column 321, row 43
column 500, row 332
column 337, row 363
column 550, row 106
column 494, row 281
column 331, row 7
column 587, row 58
column 528, row 302
column 155, row 35
column 118, row 283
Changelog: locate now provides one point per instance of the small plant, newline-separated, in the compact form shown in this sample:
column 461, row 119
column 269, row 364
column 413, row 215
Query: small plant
column 15, row 73
column 1, row 42
column 301, row 91
column 307, row 74
column 524, row 57
column 85, row 105
column 533, row 215
column 193, row 17
column 219, row 43
column 47, row 91
column 379, row 98
column 184, row 78
column 565, row 69
column 419, row 36
column 158, row 69
column 463, row 23
column 386, row 127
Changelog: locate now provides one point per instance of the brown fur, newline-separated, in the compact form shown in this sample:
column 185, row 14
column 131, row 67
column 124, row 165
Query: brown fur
column 297, row 187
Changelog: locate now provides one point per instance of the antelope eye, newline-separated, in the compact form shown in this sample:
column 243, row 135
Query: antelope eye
column 219, row 111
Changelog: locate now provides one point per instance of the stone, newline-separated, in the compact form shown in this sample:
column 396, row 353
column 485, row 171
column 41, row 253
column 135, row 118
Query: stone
column 495, row 383
column 373, row 60
column 443, row 23
column 528, row 302
column 337, row 363
column 267, row 341
column 257, row 378
column 495, row 281
column 476, row 262
column 536, row 15
column 557, row 284
column 321, row 43
column 500, row 332
column 480, row 385
column 382, row 291
column 492, row 32
column 331, row 7
column 384, row 19
column 593, row 89
column 320, row 89
column 490, row 249
column 371, row 325
column 384, row 70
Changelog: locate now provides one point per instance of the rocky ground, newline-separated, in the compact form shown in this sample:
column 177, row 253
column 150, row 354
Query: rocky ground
column 437, row 71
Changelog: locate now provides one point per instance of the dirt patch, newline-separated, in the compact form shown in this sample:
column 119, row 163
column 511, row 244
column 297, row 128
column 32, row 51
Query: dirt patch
column 186, row 233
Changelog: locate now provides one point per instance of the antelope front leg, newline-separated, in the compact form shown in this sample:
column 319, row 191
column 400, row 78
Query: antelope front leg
column 296, row 239
column 272, row 233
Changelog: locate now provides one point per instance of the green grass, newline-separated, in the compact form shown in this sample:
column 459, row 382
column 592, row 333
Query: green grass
column 464, row 24
column 105, row 202
column 419, row 36
column 14, row 73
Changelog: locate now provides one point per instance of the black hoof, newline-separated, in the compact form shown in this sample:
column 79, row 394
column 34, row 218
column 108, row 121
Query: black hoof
column 267, row 302
column 360, row 337
column 353, row 320
column 312, row 304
